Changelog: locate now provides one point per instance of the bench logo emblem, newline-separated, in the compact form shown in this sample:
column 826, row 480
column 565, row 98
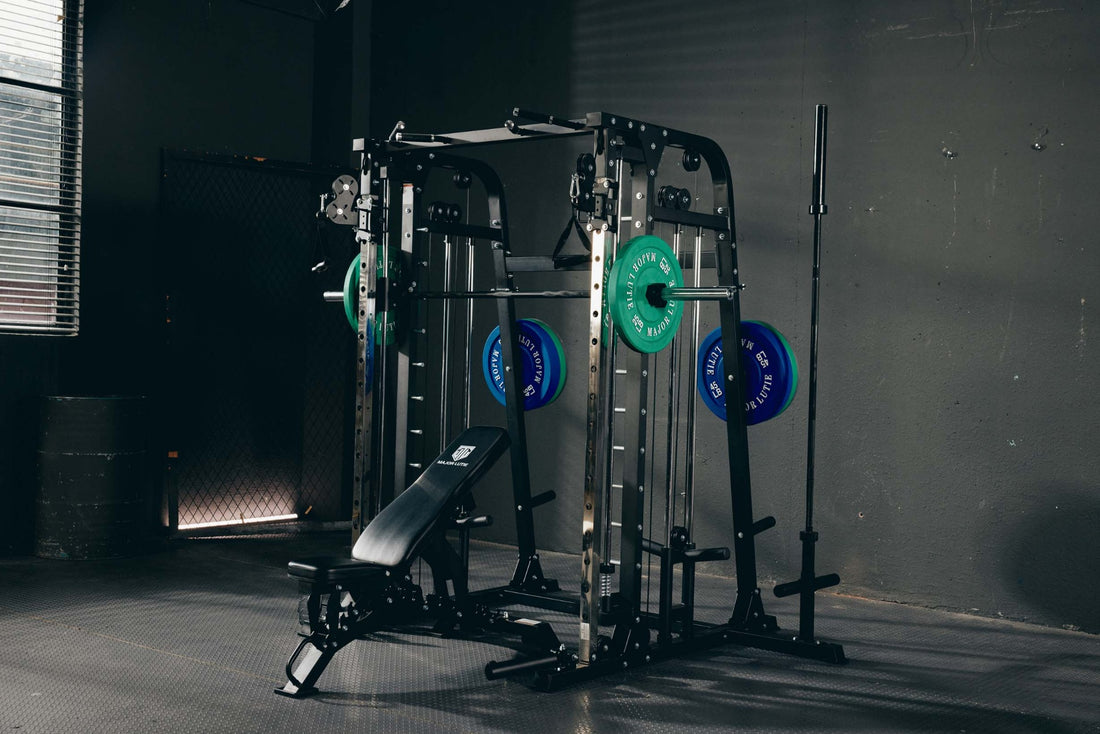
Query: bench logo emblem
column 462, row 452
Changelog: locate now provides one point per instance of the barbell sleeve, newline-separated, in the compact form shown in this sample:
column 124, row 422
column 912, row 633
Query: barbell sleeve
column 658, row 295
column 702, row 293
column 334, row 296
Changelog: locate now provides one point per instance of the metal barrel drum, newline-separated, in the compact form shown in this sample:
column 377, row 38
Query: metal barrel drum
column 93, row 481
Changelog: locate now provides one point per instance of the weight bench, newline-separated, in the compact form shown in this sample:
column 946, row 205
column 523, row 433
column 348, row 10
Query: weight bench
column 345, row 598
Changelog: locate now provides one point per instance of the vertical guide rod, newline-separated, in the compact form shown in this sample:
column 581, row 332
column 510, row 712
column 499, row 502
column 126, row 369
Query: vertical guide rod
column 469, row 322
column 445, row 373
column 689, row 449
column 673, row 428
column 808, row 581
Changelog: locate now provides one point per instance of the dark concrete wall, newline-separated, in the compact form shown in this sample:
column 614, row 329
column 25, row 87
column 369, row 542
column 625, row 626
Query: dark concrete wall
column 957, row 389
column 221, row 76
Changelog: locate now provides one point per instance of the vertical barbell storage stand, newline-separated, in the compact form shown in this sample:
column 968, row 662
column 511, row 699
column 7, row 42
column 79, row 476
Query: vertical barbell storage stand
column 809, row 582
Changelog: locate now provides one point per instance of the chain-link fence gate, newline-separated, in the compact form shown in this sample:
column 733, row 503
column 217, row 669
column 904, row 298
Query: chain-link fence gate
column 259, row 368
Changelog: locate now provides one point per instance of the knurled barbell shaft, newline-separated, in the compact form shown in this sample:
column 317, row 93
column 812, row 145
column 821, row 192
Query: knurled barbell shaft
column 705, row 293
column 503, row 294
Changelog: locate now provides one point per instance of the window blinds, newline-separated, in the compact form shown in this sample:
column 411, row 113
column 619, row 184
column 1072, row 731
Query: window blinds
column 40, row 154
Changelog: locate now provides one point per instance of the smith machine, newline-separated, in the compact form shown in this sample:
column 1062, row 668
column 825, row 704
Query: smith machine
column 636, row 296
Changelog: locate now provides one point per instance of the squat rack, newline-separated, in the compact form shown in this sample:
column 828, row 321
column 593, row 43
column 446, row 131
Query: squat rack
column 624, row 201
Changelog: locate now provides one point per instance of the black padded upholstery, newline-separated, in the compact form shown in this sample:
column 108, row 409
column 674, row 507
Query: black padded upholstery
column 333, row 569
column 394, row 536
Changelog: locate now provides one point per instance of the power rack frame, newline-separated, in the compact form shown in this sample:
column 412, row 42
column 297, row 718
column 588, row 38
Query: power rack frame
column 615, row 628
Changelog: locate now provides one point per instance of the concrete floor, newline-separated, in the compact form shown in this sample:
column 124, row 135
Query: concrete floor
column 196, row 637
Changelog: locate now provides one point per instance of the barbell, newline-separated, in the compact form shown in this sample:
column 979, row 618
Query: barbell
column 645, row 294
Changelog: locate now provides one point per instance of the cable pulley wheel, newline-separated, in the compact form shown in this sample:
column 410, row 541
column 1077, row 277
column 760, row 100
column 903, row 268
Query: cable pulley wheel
column 345, row 184
column 341, row 210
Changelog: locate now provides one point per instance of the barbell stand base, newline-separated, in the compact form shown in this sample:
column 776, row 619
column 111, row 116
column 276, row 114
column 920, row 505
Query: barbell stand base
column 825, row 652
column 807, row 585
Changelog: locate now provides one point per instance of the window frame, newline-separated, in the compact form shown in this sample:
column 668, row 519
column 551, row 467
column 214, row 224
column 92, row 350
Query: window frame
column 61, row 315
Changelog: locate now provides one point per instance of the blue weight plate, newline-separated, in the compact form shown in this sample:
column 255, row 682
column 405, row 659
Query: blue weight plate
column 537, row 366
column 788, row 361
column 710, row 374
column 536, row 331
column 555, row 359
column 533, row 366
column 536, row 342
column 768, row 372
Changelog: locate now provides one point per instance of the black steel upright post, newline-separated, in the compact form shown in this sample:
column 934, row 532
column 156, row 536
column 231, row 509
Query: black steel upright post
column 528, row 571
column 373, row 211
column 635, row 438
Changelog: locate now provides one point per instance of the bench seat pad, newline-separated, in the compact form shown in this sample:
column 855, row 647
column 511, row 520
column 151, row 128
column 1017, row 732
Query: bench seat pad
column 334, row 569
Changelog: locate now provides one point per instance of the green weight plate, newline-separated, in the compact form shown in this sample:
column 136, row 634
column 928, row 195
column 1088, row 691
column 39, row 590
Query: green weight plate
column 385, row 325
column 351, row 294
column 394, row 259
column 644, row 262
column 787, row 354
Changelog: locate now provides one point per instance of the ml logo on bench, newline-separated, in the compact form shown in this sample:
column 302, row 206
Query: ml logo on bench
column 458, row 455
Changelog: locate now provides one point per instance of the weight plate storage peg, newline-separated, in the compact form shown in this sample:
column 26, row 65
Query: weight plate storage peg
column 645, row 321
column 771, row 372
column 535, row 364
